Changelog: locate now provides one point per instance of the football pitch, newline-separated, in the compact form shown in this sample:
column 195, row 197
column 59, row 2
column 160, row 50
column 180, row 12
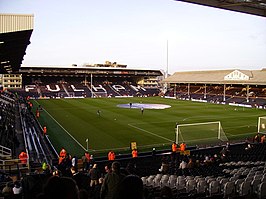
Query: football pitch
column 103, row 124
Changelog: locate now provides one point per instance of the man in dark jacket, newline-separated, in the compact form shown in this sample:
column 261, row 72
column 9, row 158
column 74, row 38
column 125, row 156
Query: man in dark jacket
column 94, row 176
column 111, row 182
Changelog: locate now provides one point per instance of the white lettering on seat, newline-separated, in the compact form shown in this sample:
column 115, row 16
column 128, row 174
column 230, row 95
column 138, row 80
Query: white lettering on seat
column 78, row 90
column 137, row 88
column 29, row 87
column 118, row 87
column 57, row 88
column 99, row 88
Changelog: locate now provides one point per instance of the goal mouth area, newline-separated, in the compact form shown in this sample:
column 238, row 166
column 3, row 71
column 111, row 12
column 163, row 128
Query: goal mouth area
column 205, row 133
column 262, row 125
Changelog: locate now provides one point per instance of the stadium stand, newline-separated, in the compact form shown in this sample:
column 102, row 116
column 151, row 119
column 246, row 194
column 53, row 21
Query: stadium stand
column 214, row 94
column 225, row 86
column 238, row 172
column 224, row 171
column 68, row 87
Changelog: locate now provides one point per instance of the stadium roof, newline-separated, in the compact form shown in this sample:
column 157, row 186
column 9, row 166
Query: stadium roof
column 83, row 70
column 234, row 76
column 15, row 33
column 254, row 7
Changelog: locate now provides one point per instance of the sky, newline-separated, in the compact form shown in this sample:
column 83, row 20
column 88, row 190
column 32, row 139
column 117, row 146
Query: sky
column 139, row 33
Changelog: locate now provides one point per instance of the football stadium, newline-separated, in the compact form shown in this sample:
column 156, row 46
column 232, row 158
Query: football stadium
column 97, row 129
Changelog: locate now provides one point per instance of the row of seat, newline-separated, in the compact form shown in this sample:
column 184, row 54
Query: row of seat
column 253, row 184
column 201, row 187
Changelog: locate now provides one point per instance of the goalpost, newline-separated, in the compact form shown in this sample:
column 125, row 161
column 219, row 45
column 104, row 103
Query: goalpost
column 262, row 124
column 200, row 133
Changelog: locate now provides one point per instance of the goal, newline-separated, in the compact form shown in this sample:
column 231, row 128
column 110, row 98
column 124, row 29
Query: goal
column 262, row 124
column 200, row 133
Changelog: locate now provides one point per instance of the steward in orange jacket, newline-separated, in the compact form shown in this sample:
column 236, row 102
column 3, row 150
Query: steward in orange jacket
column 134, row 153
column 23, row 157
column 37, row 113
column 111, row 155
column 44, row 130
column 62, row 155
column 174, row 147
column 183, row 147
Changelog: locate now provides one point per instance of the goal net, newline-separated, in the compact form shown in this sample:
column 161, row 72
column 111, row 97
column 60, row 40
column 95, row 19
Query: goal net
column 200, row 133
column 262, row 124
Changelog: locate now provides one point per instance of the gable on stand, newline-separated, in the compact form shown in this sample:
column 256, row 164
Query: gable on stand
column 236, row 75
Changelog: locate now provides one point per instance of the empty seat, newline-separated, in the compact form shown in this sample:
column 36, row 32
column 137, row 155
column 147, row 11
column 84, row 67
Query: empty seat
column 254, row 185
column 181, row 184
column 261, row 191
column 245, row 189
column 229, row 189
column 214, row 188
column 172, row 182
column 201, row 186
column 222, row 183
column 191, row 186
column 144, row 179
column 149, row 180
column 238, row 182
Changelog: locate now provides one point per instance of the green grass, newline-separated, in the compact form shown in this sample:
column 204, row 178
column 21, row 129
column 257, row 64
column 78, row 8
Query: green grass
column 71, row 121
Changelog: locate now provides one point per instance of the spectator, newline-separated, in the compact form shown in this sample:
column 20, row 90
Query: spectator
column 17, row 189
column 153, row 153
column 207, row 160
column 183, row 165
column 60, row 187
column 131, row 168
column 83, row 194
column 91, row 162
column 131, row 187
column 65, row 165
column 262, row 139
column 256, row 138
column 94, row 176
column 190, row 164
column 79, row 178
column 108, row 168
column 74, row 162
column 84, row 162
column 87, row 160
column 7, row 191
column 111, row 182
column 224, row 153
column 164, row 168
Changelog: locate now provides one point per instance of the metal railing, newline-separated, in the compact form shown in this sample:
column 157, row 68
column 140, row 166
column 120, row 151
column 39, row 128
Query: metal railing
column 5, row 152
column 13, row 165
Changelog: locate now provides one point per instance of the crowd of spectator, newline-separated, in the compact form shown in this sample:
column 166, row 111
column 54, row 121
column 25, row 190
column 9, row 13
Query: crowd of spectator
column 111, row 180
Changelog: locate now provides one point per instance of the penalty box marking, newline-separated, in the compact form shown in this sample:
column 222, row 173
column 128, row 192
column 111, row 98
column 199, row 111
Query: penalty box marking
column 164, row 138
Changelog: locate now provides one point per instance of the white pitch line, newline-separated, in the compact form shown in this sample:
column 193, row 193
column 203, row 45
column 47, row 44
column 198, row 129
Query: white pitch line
column 126, row 148
column 63, row 128
column 150, row 132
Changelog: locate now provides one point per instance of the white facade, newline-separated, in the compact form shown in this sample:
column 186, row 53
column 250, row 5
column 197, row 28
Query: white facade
column 15, row 22
column 11, row 81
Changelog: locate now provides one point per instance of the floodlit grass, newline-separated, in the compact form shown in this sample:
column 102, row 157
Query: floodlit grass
column 71, row 121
